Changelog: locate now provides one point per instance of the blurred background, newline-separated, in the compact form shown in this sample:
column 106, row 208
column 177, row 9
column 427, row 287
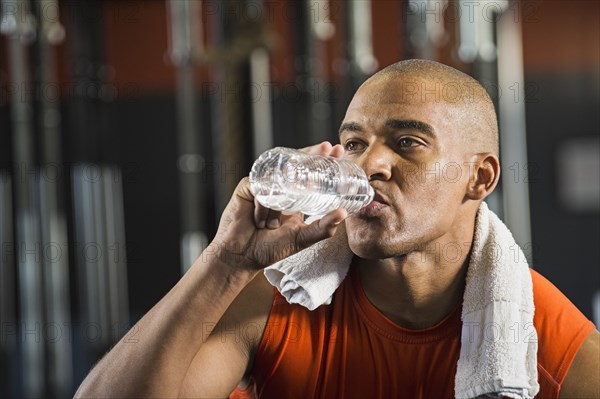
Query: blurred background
column 125, row 126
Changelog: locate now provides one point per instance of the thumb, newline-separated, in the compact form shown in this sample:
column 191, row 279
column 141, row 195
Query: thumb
column 320, row 229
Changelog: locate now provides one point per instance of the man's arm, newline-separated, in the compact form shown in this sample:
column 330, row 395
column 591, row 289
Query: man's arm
column 228, row 354
column 176, row 333
column 583, row 378
column 169, row 335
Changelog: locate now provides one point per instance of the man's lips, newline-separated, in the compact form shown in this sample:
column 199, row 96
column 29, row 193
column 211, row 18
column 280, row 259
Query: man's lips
column 379, row 202
column 378, row 197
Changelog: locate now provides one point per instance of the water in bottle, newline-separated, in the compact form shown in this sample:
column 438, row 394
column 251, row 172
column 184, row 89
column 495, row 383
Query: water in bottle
column 285, row 179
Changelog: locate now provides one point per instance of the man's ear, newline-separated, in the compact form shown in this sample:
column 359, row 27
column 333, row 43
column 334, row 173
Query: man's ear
column 484, row 175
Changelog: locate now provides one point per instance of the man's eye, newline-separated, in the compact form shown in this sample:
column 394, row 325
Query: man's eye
column 406, row 142
column 351, row 146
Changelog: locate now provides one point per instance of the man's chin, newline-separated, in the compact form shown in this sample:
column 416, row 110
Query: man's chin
column 367, row 250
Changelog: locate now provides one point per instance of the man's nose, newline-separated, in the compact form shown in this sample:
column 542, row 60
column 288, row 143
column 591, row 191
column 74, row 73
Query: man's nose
column 377, row 161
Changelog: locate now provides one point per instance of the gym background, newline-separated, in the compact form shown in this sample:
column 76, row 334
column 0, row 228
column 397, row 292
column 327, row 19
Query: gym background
column 125, row 125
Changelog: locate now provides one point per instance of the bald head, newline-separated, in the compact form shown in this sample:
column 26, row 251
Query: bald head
column 470, row 103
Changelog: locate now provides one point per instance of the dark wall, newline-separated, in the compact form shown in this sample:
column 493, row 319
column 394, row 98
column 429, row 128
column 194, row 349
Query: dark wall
column 564, row 107
column 146, row 131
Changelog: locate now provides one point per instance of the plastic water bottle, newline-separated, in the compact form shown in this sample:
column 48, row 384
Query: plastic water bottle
column 289, row 180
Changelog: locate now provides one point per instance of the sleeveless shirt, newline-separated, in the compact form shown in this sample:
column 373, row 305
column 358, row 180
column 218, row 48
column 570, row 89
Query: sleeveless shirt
column 349, row 349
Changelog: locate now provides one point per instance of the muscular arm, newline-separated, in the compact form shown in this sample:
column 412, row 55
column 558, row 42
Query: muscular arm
column 170, row 335
column 179, row 350
column 232, row 343
column 583, row 378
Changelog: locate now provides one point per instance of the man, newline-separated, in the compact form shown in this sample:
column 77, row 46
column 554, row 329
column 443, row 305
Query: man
column 223, row 322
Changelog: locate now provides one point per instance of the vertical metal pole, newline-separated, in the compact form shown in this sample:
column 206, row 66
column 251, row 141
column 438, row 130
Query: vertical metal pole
column 261, row 106
column 86, row 250
column 99, row 244
column 320, row 28
column 227, row 107
column 346, row 64
column 8, row 345
column 18, row 24
column 363, row 61
column 425, row 27
column 513, row 140
column 116, row 275
column 185, row 47
column 54, row 226
column 220, row 124
column 260, row 77
column 415, row 34
column 468, row 46
column 84, row 121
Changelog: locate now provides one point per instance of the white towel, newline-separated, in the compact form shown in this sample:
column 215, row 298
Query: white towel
column 498, row 355
column 311, row 276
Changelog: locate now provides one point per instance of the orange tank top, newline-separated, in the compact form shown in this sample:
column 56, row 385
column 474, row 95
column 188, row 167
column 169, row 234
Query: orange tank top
column 349, row 349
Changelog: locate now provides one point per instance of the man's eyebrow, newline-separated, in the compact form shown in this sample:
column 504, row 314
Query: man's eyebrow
column 397, row 124
column 350, row 126
column 423, row 127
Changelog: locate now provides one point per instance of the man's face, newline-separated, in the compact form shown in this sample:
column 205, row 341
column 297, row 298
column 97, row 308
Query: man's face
column 408, row 143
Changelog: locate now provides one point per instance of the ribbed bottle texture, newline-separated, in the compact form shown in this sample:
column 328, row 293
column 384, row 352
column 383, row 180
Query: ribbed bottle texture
column 285, row 179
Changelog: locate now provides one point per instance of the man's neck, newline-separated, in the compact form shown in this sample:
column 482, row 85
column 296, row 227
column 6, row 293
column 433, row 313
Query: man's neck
column 409, row 294
column 419, row 289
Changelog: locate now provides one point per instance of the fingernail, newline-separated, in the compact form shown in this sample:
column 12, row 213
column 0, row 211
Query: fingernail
column 273, row 223
column 344, row 216
column 261, row 224
column 339, row 221
column 333, row 221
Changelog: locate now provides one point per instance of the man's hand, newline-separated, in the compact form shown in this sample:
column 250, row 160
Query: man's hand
column 175, row 337
column 251, row 236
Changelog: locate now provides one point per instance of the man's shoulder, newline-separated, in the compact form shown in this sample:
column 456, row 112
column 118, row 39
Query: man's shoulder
column 550, row 302
column 561, row 327
column 554, row 312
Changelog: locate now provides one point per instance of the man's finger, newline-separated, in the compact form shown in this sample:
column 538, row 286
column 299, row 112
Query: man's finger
column 321, row 229
column 273, row 219
column 260, row 215
column 318, row 149
column 337, row 151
